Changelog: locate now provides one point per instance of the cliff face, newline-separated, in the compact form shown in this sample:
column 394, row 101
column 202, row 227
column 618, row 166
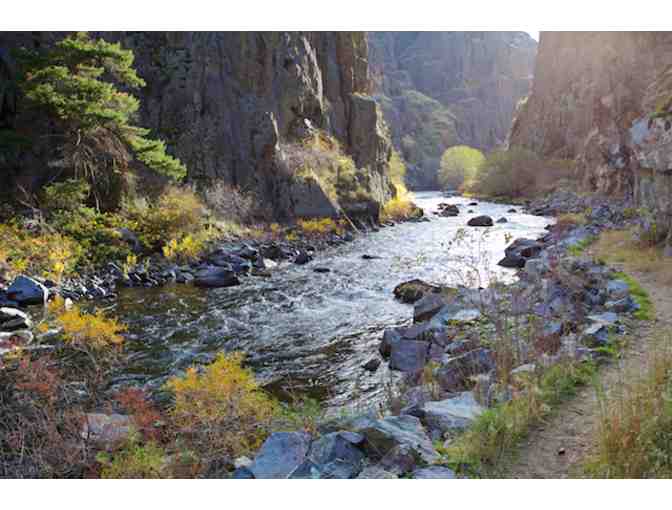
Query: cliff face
column 226, row 101
column 439, row 89
column 593, row 99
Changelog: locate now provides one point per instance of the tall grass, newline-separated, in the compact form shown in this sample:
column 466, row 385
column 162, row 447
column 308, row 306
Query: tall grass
column 634, row 435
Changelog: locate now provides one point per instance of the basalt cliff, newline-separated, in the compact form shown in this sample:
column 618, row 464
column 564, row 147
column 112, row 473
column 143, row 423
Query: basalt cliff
column 227, row 102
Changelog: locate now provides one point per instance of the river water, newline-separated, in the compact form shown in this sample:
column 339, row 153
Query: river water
column 309, row 333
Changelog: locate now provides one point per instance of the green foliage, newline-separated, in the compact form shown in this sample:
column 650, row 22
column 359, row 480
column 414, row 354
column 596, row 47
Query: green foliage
column 77, row 83
column 134, row 461
column 459, row 165
column 65, row 196
column 507, row 173
column 577, row 249
column 646, row 310
column 497, row 431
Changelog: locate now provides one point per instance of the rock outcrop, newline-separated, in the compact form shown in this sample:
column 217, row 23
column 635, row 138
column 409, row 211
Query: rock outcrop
column 439, row 89
column 226, row 102
column 595, row 98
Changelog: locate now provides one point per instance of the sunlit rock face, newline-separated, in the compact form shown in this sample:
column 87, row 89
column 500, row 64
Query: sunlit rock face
column 594, row 99
column 439, row 89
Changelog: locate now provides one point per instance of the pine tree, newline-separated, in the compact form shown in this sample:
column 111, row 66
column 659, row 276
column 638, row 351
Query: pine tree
column 80, row 83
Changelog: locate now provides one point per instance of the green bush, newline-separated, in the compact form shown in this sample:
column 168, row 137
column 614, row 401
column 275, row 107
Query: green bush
column 459, row 165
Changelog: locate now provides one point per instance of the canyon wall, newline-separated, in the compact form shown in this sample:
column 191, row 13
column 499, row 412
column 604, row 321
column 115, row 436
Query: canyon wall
column 226, row 102
column 439, row 89
column 603, row 98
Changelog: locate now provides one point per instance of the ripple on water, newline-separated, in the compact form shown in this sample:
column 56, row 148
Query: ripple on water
column 310, row 333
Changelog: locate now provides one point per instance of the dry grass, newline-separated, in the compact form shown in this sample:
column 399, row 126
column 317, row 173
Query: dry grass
column 618, row 247
column 634, row 435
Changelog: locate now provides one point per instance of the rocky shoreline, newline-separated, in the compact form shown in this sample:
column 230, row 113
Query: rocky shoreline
column 562, row 307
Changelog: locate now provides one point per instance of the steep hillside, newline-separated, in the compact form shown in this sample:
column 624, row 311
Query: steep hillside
column 594, row 98
column 227, row 102
column 439, row 89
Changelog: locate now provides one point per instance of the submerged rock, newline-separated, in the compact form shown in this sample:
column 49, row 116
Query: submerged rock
column 12, row 319
column 215, row 277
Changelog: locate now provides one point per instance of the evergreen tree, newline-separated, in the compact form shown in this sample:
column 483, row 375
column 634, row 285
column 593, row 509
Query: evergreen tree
column 78, row 84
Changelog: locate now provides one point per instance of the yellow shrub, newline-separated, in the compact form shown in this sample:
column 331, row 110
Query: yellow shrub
column 399, row 208
column 189, row 247
column 178, row 212
column 222, row 408
column 90, row 331
column 320, row 226
column 135, row 461
column 46, row 254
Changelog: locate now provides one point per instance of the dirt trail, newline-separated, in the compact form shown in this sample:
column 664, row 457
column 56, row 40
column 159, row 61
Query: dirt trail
column 570, row 429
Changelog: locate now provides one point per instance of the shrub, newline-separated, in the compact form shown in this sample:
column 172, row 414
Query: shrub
column 40, row 429
column 43, row 253
column 320, row 226
column 518, row 172
column 459, row 166
column 177, row 212
column 65, row 196
column 399, row 208
column 230, row 203
column 189, row 247
column 86, row 331
column 134, row 461
column 221, row 412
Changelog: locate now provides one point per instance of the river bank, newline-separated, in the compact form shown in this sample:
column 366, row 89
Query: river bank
column 315, row 329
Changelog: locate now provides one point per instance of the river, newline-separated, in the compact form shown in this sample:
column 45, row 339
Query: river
column 310, row 333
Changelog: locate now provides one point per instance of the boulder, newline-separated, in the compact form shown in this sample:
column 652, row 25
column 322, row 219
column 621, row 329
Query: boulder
column 281, row 454
column 428, row 306
column 454, row 371
column 12, row 319
column 303, row 258
column 448, row 210
column 106, row 429
column 414, row 290
column 518, row 252
column 215, row 277
column 372, row 365
column 480, row 221
column 617, row 289
column 434, row 472
column 343, row 446
column 502, row 220
column 384, row 434
column 390, row 337
column 375, row 473
column 401, row 459
column 452, row 414
column 409, row 355
column 27, row 291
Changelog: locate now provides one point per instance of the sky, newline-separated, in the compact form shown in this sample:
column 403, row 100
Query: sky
column 534, row 35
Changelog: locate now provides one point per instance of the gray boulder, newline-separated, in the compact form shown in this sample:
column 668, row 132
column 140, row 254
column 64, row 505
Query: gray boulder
column 384, row 434
column 338, row 446
column 12, row 319
column 452, row 414
column 480, row 221
column 26, row 291
column 434, row 472
column 215, row 277
column 454, row 371
column 375, row 473
column 409, row 355
column 281, row 454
